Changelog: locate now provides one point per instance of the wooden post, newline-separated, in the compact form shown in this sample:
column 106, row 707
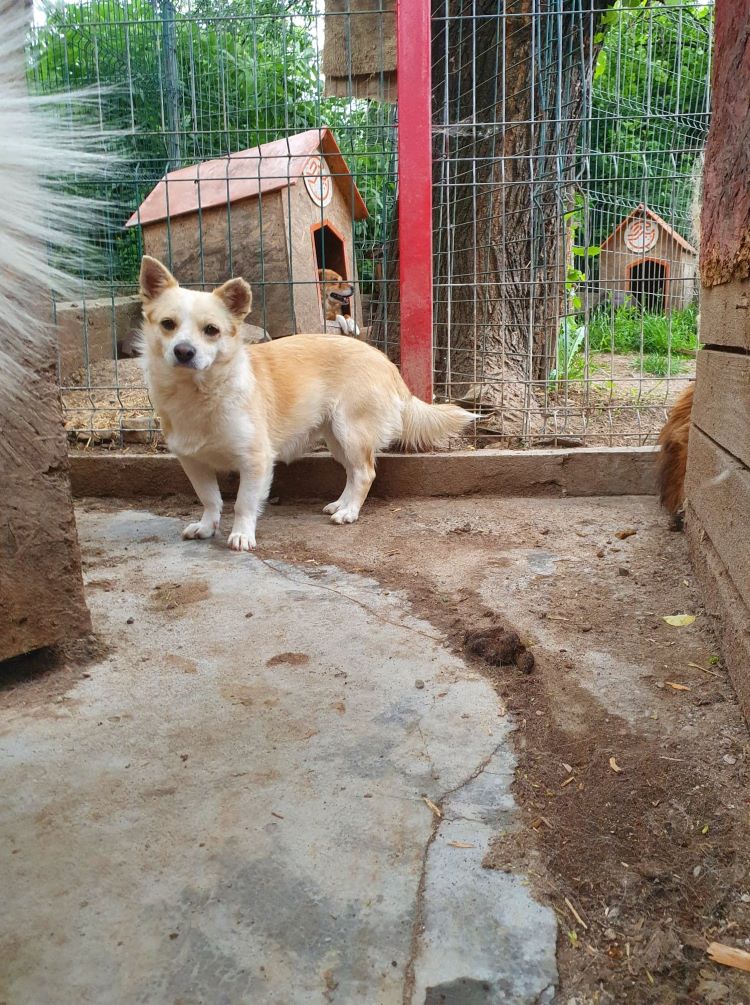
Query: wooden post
column 718, row 474
column 41, row 586
column 414, row 77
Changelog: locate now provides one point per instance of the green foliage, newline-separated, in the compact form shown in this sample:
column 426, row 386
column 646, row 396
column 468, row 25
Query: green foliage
column 571, row 362
column 630, row 330
column 662, row 366
column 649, row 112
column 247, row 72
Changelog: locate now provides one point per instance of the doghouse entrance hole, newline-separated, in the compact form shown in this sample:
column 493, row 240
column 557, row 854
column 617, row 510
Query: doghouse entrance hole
column 648, row 284
column 329, row 252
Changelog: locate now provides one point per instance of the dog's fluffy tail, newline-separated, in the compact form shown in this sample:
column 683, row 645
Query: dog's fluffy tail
column 673, row 440
column 425, row 426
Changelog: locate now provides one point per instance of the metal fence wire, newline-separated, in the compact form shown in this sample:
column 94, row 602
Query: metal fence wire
column 258, row 138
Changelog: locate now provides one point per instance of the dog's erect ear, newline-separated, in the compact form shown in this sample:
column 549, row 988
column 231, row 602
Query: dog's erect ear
column 237, row 297
column 155, row 278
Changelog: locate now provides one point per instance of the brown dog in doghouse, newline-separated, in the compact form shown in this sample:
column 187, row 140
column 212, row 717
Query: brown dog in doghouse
column 336, row 294
column 673, row 441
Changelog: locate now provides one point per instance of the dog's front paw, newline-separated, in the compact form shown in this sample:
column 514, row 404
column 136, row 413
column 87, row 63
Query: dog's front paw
column 345, row 514
column 241, row 542
column 332, row 507
column 198, row 530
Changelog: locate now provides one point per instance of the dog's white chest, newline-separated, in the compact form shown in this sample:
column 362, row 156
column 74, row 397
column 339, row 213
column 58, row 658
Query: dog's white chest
column 218, row 434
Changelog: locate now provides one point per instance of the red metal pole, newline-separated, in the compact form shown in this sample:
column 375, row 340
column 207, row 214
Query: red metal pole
column 414, row 74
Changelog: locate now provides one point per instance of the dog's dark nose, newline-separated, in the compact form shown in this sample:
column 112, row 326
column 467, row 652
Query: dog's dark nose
column 184, row 352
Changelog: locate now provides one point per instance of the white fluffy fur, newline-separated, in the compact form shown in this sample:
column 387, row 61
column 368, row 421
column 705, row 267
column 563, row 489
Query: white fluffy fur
column 38, row 148
column 226, row 406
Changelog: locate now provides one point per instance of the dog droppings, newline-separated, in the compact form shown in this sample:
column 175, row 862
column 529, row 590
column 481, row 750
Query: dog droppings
column 500, row 646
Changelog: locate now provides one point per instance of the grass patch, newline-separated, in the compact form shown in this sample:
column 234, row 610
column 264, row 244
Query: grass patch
column 629, row 330
column 662, row 366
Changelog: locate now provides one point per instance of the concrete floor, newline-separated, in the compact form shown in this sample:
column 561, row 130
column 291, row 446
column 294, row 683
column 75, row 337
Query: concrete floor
column 233, row 806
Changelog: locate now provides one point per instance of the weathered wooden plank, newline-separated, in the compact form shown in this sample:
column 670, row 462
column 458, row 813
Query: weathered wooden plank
column 725, row 219
column 721, row 406
column 725, row 315
column 595, row 471
column 718, row 489
column 729, row 614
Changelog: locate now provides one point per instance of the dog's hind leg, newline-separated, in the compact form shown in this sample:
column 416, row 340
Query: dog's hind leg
column 203, row 480
column 352, row 448
column 255, row 484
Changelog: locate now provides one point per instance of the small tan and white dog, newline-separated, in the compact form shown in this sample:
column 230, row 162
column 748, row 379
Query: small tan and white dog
column 336, row 295
column 228, row 406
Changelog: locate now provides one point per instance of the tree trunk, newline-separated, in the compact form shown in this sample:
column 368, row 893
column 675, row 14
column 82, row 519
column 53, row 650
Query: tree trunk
column 508, row 95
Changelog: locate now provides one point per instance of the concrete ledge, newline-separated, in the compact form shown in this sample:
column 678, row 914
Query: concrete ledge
column 583, row 472
column 724, row 605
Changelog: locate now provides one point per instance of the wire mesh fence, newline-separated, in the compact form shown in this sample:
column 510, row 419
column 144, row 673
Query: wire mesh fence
column 258, row 137
column 569, row 139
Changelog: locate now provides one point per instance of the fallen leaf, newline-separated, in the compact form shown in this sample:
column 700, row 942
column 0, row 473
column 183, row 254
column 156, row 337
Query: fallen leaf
column 435, row 809
column 621, row 535
column 728, row 956
column 568, row 767
column 679, row 620
column 614, row 765
column 678, row 687
column 461, row 844
column 568, row 781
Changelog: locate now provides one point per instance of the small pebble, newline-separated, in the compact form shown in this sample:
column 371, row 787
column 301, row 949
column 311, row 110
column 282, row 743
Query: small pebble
column 729, row 759
column 585, row 628
column 419, row 684
column 600, row 553
column 745, row 898
column 610, row 934
column 130, row 621
column 622, row 571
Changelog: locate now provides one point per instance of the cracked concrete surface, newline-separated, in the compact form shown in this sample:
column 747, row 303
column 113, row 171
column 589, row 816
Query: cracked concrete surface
column 230, row 808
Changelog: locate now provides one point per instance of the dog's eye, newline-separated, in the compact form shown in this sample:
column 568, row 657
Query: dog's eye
column 168, row 325
column 211, row 330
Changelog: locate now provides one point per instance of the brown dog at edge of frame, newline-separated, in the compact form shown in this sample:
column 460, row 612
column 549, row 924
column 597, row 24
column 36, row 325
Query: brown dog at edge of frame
column 673, row 441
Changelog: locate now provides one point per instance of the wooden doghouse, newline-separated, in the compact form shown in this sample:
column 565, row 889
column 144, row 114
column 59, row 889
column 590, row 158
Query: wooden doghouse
column 274, row 214
column 647, row 262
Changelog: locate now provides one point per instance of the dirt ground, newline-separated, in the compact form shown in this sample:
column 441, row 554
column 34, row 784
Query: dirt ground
column 632, row 777
column 633, row 755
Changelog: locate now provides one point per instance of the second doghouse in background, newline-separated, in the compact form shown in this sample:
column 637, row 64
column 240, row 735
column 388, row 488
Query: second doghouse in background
column 274, row 214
